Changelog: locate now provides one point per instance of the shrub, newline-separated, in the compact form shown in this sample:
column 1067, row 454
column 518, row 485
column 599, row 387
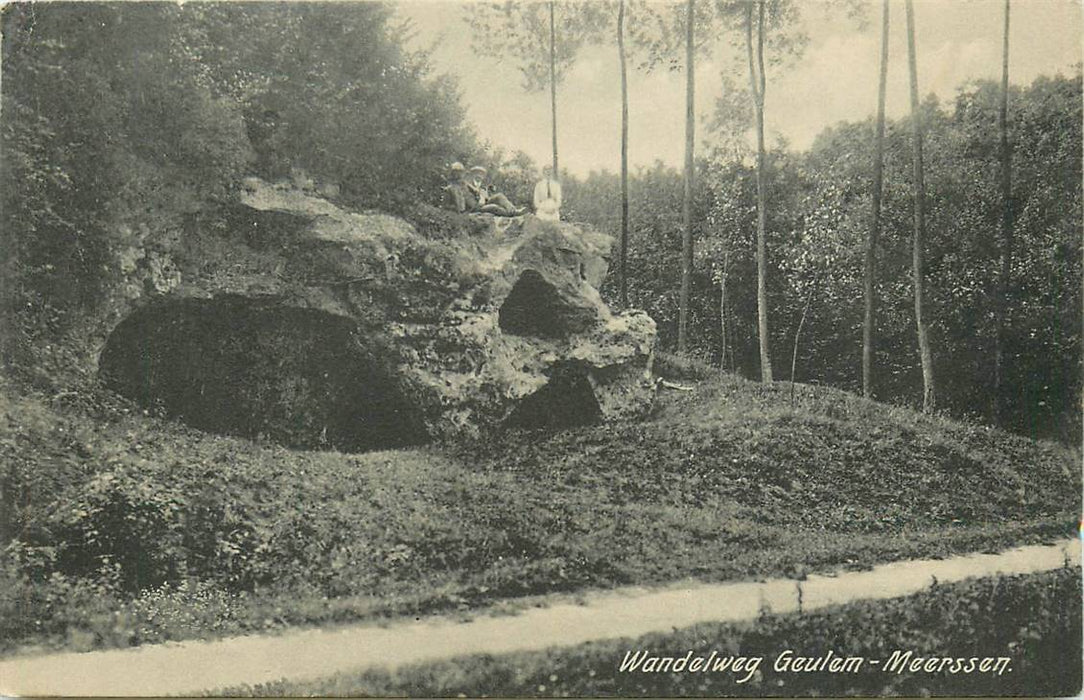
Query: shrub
column 672, row 366
column 121, row 520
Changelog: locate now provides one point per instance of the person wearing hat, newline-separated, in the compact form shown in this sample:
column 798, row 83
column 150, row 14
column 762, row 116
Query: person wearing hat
column 490, row 203
column 457, row 195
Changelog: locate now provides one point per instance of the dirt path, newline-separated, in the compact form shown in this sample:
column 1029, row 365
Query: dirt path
column 190, row 667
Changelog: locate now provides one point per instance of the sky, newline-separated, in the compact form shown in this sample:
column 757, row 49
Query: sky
column 834, row 80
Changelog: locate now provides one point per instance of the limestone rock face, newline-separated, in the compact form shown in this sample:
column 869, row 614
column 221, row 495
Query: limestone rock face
column 317, row 326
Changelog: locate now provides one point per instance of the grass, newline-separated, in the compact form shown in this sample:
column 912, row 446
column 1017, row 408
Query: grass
column 123, row 529
column 1034, row 621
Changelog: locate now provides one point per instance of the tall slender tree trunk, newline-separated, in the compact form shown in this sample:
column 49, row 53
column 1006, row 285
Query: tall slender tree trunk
column 758, row 84
column 798, row 336
column 869, row 327
column 687, row 205
column 929, row 395
column 624, row 155
column 723, row 339
column 1002, row 303
column 553, row 87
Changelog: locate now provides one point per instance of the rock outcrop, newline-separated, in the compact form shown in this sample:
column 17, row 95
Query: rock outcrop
column 317, row 326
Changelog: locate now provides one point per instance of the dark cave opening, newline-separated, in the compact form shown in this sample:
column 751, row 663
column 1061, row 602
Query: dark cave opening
column 230, row 365
column 567, row 400
column 534, row 308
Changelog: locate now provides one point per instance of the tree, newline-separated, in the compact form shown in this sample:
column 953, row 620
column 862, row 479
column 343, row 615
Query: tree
column 770, row 15
column 961, row 255
column 622, row 57
column 870, row 278
column 623, row 266
column 631, row 16
column 1005, row 279
column 660, row 35
column 729, row 146
column 333, row 89
column 544, row 38
column 553, row 88
column 105, row 126
column 655, row 239
column 687, row 199
column 732, row 115
column 925, row 351
column 757, row 87
column 723, row 272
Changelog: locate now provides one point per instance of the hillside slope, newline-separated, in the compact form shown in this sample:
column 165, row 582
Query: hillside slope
column 123, row 529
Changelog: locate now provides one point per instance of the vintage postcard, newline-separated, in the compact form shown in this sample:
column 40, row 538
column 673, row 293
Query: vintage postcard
column 570, row 348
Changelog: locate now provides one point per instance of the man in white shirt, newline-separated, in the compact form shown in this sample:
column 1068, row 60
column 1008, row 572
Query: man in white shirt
column 547, row 197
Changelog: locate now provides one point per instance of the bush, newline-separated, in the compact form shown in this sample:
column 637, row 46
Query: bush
column 673, row 366
column 82, row 612
column 119, row 521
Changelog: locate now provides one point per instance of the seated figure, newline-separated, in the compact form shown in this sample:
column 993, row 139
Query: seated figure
column 490, row 202
column 547, row 197
column 457, row 196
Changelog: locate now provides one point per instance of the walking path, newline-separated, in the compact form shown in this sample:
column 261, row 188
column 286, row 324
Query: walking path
column 191, row 667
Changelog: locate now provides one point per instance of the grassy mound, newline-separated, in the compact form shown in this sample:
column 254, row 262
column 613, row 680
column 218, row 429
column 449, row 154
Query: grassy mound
column 122, row 529
column 829, row 461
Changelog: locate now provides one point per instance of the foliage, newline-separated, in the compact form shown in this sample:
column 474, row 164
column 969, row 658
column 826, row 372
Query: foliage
column 962, row 255
column 100, row 122
column 657, row 32
column 127, row 128
column 671, row 366
column 818, row 211
column 345, row 103
column 514, row 174
column 1033, row 620
column 521, row 30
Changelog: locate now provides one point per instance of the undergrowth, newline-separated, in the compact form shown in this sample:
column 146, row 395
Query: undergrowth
column 120, row 528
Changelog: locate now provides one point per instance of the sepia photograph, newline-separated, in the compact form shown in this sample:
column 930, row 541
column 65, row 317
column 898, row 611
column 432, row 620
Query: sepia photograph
column 541, row 348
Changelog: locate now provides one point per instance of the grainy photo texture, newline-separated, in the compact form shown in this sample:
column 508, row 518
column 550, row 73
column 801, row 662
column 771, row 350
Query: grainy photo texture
column 541, row 348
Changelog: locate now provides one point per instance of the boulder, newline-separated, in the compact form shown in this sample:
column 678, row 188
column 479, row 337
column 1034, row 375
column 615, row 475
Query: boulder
column 316, row 326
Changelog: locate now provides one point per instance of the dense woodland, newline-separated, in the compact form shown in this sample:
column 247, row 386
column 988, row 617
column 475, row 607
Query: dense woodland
column 818, row 215
column 127, row 124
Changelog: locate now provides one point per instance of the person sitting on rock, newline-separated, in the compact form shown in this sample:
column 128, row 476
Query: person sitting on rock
column 457, row 195
column 547, row 197
column 490, row 202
